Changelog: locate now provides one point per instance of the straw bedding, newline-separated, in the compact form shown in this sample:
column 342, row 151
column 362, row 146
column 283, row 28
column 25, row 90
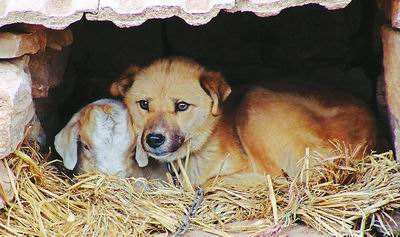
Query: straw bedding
column 339, row 196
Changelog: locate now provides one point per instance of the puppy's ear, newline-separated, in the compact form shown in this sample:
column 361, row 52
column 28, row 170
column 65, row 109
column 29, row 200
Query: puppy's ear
column 216, row 87
column 140, row 155
column 66, row 142
column 120, row 87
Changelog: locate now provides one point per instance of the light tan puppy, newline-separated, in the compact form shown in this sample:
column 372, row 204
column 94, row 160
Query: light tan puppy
column 100, row 138
column 175, row 103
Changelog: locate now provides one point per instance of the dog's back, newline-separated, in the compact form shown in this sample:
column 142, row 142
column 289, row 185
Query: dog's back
column 275, row 128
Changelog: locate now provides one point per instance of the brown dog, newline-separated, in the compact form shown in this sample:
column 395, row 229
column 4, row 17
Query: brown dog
column 176, row 105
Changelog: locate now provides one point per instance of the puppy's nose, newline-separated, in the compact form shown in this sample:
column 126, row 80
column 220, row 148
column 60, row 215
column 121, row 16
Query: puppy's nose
column 155, row 140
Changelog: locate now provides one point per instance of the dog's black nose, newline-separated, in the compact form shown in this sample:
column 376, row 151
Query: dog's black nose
column 155, row 140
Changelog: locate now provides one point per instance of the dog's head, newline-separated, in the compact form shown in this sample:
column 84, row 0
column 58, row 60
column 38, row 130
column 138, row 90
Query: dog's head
column 98, row 138
column 171, row 102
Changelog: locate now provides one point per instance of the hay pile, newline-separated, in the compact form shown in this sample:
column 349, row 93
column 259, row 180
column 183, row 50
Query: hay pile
column 339, row 196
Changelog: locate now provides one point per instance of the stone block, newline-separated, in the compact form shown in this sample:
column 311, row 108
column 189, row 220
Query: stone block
column 16, row 106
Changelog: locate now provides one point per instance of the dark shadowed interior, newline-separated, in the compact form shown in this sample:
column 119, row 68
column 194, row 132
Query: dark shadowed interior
column 337, row 49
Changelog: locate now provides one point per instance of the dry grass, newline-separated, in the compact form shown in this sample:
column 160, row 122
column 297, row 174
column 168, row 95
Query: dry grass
column 339, row 196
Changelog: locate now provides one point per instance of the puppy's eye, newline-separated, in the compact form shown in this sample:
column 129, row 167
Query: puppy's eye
column 144, row 104
column 181, row 106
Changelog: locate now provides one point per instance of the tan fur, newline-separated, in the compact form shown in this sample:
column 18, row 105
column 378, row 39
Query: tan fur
column 276, row 128
column 86, row 127
column 107, row 142
column 267, row 134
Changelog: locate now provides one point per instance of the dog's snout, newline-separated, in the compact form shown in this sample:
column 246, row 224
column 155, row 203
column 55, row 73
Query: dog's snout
column 155, row 140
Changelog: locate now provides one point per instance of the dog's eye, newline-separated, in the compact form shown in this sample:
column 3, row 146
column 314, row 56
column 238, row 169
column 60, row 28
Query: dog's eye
column 144, row 104
column 181, row 106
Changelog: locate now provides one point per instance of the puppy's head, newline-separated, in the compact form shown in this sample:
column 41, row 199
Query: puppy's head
column 98, row 138
column 171, row 102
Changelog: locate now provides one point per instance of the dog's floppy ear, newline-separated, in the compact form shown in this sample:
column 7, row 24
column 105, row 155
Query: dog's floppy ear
column 66, row 142
column 120, row 87
column 140, row 155
column 216, row 87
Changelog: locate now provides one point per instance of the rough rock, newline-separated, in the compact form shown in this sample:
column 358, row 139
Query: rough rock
column 58, row 14
column 58, row 39
column 36, row 131
column 54, row 14
column 47, row 67
column 13, row 45
column 194, row 12
column 16, row 106
column 395, row 13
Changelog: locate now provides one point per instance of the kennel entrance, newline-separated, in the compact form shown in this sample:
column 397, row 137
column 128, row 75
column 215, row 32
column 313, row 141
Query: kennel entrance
column 70, row 68
column 339, row 49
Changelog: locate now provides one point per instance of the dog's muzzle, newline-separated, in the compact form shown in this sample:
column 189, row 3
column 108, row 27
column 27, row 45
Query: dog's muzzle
column 162, row 145
column 155, row 140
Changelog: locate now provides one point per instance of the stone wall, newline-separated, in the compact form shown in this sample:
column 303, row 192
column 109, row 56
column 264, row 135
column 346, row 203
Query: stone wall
column 126, row 13
column 16, row 105
column 32, row 61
